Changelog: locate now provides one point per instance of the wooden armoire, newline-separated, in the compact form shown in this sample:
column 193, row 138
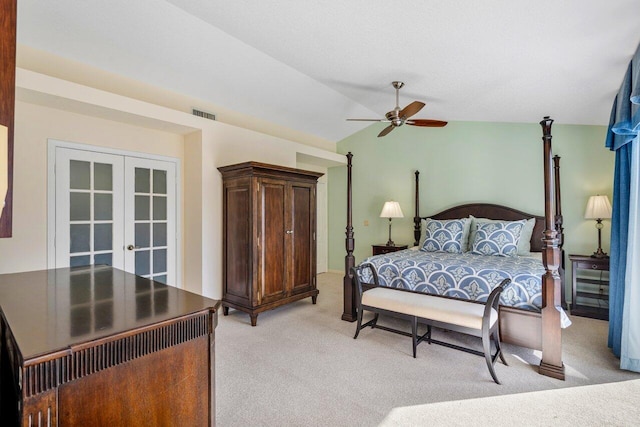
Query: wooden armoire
column 269, row 240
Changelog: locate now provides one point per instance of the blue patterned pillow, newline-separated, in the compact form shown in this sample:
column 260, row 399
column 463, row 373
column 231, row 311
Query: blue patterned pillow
column 445, row 235
column 498, row 238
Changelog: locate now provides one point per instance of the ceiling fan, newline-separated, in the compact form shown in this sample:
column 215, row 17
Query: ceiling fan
column 398, row 117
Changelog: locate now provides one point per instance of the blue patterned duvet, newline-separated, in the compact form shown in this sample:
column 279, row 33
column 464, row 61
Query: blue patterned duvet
column 465, row 275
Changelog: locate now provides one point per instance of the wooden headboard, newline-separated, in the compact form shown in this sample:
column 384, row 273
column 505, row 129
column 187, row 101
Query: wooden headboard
column 491, row 211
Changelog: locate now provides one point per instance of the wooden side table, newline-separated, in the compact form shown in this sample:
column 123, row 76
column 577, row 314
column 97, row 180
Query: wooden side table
column 590, row 286
column 384, row 249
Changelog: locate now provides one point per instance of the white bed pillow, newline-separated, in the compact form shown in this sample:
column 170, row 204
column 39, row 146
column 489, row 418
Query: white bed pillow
column 423, row 231
column 524, row 243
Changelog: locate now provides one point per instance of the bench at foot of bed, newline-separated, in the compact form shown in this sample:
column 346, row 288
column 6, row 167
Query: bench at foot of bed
column 468, row 317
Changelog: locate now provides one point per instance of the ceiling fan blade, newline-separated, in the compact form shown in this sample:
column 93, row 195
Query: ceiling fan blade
column 386, row 130
column 411, row 109
column 366, row 120
column 426, row 123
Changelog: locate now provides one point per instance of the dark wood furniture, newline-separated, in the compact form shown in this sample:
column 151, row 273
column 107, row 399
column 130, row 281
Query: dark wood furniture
column 269, row 237
column 385, row 249
column 99, row 346
column 7, row 104
column 541, row 331
column 591, row 300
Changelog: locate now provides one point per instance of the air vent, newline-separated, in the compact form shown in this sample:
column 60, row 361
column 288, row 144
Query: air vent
column 203, row 114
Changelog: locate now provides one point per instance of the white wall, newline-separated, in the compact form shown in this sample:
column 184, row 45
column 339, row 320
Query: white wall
column 27, row 249
column 225, row 145
column 53, row 108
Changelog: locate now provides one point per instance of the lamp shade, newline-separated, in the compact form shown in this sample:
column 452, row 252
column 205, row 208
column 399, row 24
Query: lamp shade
column 391, row 210
column 598, row 207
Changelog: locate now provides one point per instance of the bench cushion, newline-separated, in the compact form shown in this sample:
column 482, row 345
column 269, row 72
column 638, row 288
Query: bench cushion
column 452, row 311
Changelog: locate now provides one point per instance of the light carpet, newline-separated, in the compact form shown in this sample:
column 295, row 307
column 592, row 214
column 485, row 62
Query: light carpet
column 301, row 367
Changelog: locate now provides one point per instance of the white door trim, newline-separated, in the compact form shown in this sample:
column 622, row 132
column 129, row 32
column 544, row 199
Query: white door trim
column 53, row 144
column 322, row 227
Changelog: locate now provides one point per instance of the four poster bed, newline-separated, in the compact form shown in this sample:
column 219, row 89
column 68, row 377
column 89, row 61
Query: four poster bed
column 530, row 311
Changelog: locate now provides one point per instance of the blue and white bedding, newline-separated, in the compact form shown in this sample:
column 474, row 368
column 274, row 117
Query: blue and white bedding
column 461, row 275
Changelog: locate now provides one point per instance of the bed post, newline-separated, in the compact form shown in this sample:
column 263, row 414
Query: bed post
column 559, row 227
column 551, row 364
column 416, row 219
column 349, row 313
column 558, row 218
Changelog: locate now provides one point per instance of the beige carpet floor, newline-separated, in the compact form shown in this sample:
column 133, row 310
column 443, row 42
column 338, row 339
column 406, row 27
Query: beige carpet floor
column 301, row 367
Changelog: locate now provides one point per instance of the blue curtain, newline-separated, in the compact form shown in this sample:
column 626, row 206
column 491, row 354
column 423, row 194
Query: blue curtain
column 622, row 137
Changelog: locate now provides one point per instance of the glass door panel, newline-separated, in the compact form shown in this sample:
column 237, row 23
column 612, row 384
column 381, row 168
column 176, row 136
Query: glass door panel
column 151, row 246
column 88, row 208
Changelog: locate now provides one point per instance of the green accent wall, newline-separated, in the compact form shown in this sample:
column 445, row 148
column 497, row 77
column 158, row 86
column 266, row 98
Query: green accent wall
column 465, row 162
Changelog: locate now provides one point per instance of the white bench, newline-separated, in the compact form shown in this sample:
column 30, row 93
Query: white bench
column 458, row 315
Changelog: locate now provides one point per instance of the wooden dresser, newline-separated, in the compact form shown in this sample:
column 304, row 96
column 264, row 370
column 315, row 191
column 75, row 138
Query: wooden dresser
column 99, row 346
column 269, row 240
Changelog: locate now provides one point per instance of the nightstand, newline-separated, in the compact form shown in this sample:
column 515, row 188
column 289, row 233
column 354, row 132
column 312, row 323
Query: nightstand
column 590, row 286
column 384, row 249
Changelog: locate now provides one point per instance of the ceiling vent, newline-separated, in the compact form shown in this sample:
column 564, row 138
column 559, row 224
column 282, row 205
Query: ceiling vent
column 203, row 114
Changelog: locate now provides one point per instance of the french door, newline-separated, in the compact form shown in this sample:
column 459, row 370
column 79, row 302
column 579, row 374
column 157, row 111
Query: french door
column 116, row 210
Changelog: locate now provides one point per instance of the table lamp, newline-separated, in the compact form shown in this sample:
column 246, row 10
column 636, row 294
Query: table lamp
column 598, row 208
column 391, row 210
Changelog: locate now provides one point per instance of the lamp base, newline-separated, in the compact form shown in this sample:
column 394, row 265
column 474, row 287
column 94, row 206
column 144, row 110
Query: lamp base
column 599, row 254
column 390, row 242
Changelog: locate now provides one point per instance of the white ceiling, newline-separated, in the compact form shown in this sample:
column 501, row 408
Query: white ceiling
column 309, row 65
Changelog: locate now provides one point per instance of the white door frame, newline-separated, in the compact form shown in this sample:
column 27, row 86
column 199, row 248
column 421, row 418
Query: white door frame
column 53, row 144
column 322, row 226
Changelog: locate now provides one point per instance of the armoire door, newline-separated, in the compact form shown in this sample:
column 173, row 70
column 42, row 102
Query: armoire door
column 238, row 241
column 272, row 213
column 301, row 221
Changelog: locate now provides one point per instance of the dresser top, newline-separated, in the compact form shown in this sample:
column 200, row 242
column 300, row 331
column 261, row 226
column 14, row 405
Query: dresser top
column 52, row 310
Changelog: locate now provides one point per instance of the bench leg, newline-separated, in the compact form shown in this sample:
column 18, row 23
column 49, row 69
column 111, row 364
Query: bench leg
column 496, row 339
column 360, row 310
column 374, row 322
column 414, row 334
column 486, row 345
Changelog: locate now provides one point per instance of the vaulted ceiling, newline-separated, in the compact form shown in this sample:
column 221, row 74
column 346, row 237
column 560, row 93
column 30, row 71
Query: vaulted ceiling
column 309, row 65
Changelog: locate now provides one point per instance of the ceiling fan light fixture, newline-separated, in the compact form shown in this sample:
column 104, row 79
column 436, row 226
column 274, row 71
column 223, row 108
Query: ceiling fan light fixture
column 394, row 118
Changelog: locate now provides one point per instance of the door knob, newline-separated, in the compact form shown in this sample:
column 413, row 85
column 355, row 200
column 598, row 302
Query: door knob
column 131, row 247
column 289, row 231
